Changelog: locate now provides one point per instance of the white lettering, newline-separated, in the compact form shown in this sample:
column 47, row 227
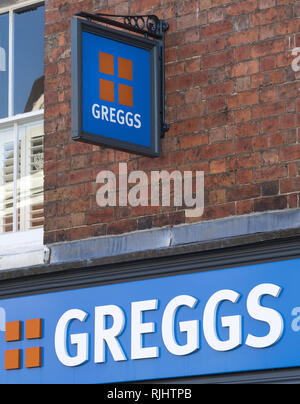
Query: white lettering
column 108, row 335
column 128, row 119
column 81, row 340
column 232, row 322
column 137, row 119
column 104, row 113
column 109, row 326
column 120, row 117
column 138, row 328
column 114, row 115
column 95, row 111
column 191, row 328
column 265, row 314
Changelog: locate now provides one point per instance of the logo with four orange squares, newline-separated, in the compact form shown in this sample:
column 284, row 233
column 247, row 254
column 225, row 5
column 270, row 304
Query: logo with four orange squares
column 109, row 88
column 116, row 92
column 32, row 355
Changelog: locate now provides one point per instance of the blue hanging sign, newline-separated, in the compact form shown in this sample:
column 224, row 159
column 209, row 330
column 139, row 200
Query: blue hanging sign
column 116, row 83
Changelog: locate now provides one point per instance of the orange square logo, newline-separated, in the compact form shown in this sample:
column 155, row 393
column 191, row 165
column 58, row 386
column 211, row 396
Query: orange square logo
column 12, row 359
column 13, row 331
column 106, row 63
column 33, row 328
column 108, row 87
column 125, row 69
column 33, row 357
column 125, row 95
column 107, row 90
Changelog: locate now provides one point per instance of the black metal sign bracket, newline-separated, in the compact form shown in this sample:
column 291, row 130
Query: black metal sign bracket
column 148, row 26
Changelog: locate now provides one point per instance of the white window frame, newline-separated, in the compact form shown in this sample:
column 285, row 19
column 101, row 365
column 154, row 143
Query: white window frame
column 19, row 248
column 10, row 10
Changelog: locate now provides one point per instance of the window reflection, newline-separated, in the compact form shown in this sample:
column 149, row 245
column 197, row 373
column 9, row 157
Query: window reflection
column 4, row 65
column 29, row 60
column 30, row 177
column 23, row 198
column 6, row 181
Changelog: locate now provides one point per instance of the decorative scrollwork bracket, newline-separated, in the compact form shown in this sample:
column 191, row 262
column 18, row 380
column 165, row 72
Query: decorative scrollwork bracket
column 151, row 23
column 147, row 25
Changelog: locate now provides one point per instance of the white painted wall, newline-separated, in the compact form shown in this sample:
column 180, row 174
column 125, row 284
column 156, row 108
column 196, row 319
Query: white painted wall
column 22, row 249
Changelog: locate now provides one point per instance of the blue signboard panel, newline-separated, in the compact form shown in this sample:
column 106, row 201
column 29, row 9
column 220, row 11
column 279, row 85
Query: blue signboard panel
column 129, row 123
column 227, row 320
column 116, row 88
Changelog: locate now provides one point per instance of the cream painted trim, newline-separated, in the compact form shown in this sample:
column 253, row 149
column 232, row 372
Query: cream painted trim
column 22, row 249
column 15, row 6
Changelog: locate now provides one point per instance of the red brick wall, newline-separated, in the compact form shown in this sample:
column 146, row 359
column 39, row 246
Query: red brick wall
column 233, row 103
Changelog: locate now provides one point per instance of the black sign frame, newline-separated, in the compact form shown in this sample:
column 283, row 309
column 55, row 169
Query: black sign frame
column 154, row 47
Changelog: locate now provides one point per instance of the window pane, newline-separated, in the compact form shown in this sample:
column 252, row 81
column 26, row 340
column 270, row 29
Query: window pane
column 29, row 60
column 36, row 183
column 6, row 181
column 4, row 65
column 30, row 184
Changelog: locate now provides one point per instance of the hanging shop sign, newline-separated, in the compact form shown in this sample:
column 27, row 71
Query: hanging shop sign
column 221, row 321
column 118, row 84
